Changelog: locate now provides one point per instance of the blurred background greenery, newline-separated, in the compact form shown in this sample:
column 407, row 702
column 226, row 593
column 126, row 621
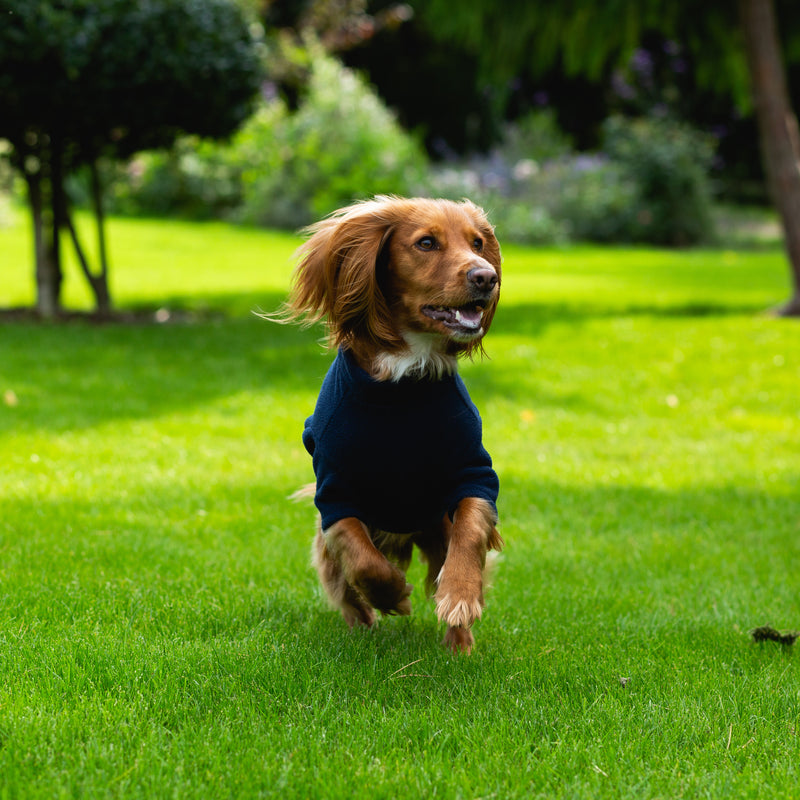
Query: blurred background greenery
column 584, row 121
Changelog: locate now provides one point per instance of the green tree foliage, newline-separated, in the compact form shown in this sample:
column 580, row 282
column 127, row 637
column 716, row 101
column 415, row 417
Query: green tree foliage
column 587, row 36
column 83, row 79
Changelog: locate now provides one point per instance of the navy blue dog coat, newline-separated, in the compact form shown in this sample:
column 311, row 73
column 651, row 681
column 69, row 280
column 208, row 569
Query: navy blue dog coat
column 396, row 455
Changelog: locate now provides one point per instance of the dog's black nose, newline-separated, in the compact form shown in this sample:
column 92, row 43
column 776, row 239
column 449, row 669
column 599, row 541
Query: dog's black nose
column 482, row 278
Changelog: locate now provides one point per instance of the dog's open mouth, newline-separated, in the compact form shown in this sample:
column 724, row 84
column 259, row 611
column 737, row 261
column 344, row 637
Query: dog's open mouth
column 464, row 319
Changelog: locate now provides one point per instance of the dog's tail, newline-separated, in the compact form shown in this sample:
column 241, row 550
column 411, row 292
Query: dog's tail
column 306, row 492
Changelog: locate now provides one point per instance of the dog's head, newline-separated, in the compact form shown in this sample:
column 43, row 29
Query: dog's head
column 390, row 272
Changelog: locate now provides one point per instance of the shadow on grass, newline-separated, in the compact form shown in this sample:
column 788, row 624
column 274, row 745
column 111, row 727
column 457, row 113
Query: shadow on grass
column 76, row 375
column 79, row 374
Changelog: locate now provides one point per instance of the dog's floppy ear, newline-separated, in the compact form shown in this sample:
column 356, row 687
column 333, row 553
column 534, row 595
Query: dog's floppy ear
column 337, row 276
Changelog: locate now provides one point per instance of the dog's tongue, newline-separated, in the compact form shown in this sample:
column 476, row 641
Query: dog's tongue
column 468, row 317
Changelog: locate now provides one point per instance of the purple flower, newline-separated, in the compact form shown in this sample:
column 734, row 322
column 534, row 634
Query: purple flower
column 642, row 63
column 269, row 91
column 586, row 162
column 621, row 87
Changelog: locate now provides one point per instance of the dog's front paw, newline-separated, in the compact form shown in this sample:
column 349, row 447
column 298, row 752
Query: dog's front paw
column 459, row 602
column 459, row 640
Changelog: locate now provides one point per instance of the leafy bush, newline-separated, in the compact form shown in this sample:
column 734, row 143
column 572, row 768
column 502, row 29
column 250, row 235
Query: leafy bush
column 196, row 178
column 286, row 169
column 535, row 136
column 86, row 79
column 115, row 77
column 591, row 196
column 283, row 168
column 525, row 223
column 508, row 182
column 668, row 162
column 517, row 218
column 342, row 144
column 651, row 185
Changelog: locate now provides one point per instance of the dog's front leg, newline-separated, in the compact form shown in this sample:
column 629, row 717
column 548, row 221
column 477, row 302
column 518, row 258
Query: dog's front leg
column 459, row 594
column 366, row 569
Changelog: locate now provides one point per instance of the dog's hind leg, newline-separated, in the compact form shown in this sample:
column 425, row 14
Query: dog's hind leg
column 356, row 575
column 341, row 595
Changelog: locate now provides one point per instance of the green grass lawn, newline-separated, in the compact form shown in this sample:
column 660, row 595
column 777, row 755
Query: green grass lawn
column 161, row 631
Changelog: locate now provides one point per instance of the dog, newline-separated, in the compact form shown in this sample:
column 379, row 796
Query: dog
column 405, row 287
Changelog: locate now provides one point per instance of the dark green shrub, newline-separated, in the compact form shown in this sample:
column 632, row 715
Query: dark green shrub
column 668, row 162
column 535, row 136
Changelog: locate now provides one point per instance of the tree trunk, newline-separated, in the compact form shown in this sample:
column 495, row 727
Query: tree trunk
column 57, row 203
column 98, row 282
column 48, row 281
column 102, row 294
column 780, row 141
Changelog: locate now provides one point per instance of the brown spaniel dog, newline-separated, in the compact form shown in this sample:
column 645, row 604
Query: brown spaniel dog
column 405, row 286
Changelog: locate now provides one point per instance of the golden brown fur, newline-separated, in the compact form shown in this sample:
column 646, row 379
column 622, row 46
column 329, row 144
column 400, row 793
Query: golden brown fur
column 407, row 285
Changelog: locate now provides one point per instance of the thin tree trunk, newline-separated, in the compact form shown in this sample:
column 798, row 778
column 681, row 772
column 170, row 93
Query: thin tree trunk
column 780, row 141
column 59, row 213
column 97, row 283
column 102, row 294
column 47, row 283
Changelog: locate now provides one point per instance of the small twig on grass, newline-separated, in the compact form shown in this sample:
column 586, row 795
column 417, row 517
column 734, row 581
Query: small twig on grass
column 408, row 674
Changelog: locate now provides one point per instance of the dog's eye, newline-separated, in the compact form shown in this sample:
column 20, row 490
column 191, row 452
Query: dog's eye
column 427, row 243
column 477, row 243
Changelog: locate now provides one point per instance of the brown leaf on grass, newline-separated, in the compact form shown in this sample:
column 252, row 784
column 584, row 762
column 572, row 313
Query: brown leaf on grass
column 768, row 634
